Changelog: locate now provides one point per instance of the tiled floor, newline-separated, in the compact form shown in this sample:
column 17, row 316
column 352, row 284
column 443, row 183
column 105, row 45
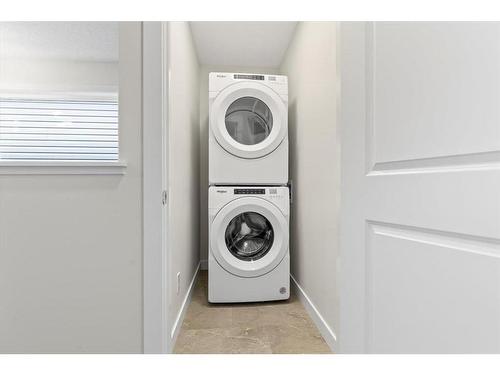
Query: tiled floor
column 270, row 327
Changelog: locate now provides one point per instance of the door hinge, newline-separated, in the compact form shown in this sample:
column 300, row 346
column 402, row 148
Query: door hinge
column 290, row 190
column 164, row 197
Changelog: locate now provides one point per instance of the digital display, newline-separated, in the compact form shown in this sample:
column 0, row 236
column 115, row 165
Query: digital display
column 249, row 76
column 249, row 191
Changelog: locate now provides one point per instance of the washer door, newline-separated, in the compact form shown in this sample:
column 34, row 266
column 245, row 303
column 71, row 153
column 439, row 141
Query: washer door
column 248, row 120
column 249, row 237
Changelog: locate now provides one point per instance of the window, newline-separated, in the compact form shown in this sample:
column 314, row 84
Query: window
column 58, row 129
column 59, row 88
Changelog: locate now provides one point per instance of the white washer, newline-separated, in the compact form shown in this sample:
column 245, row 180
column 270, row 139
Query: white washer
column 248, row 257
column 248, row 136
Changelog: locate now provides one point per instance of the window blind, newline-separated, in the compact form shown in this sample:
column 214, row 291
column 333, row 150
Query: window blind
column 48, row 129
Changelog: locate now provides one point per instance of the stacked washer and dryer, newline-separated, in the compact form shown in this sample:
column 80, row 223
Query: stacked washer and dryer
column 248, row 198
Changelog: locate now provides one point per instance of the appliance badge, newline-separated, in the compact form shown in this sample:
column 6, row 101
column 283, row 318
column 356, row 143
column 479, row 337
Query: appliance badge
column 221, row 191
column 221, row 76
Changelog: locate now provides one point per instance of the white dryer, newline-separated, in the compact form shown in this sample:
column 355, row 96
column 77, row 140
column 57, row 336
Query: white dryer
column 248, row 136
column 249, row 256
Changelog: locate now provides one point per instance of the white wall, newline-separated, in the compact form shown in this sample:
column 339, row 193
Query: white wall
column 25, row 75
column 184, row 179
column 203, row 105
column 310, row 64
column 71, row 245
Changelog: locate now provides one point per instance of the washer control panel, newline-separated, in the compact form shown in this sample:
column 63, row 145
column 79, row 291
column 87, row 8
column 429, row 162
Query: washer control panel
column 249, row 191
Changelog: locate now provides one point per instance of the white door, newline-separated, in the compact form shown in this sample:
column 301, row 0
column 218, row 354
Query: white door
column 420, row 241
column 249, row 120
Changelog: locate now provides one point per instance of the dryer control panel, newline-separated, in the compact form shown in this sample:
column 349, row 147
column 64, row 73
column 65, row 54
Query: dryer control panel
column 218, row 81
column 255, row 77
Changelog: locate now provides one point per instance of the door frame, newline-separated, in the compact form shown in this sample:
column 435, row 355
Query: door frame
column 155, row 104
column 351, row 276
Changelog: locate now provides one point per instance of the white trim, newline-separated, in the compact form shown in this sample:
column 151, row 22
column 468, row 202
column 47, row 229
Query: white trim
column 155, row 217
column 323, row 327
column 182, row 311
column 98, row 93
column 166, row 213
column 20, row 167
column 204, row 264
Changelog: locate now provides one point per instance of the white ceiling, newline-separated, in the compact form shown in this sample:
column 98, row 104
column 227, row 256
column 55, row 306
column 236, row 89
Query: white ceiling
column 83, row 41
column 253, row 44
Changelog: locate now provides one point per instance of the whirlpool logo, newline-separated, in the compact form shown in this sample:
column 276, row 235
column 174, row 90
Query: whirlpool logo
column 221, row 191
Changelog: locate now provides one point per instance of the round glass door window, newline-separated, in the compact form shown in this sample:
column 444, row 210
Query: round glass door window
column 249, row 120
column 249, row 236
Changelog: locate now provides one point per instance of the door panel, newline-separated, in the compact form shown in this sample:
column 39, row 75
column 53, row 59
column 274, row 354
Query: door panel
column 416, row 283
column 432, row 84
column 420, row 219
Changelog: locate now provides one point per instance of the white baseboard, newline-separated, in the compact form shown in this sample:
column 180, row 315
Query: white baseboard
column 323, row 327
column 182, row 311
column 204, row 264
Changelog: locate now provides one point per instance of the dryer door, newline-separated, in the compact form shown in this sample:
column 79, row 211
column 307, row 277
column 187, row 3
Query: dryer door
column 249, row 120
column 249, row 237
